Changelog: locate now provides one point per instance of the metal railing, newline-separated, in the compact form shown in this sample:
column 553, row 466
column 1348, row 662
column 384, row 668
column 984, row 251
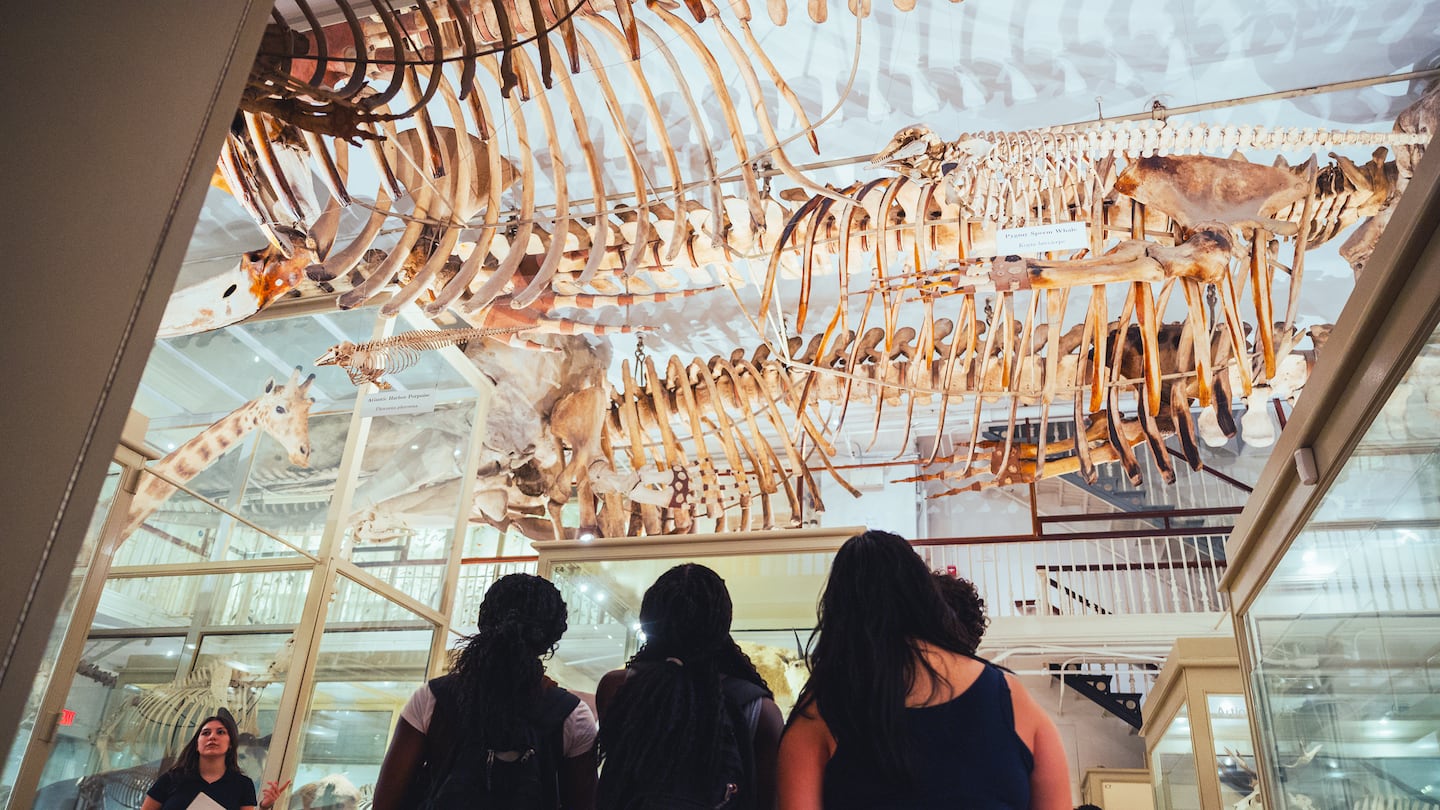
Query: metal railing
column 1105, row 575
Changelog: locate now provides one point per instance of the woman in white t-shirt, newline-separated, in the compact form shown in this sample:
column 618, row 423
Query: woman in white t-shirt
column 496, row 723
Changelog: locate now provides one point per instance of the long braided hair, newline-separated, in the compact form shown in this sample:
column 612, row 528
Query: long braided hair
column 663, row 729
column 498, row 670
column 880, row 603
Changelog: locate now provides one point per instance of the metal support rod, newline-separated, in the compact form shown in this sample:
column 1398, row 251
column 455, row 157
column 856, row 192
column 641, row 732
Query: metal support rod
column 1035, row 520
column 1205, row 468
column 1212, row 511
column 1193, row 531
column 1240, row 101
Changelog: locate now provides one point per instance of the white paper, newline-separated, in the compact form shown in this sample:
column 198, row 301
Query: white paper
column 1041, row 238
column 399, row 403
column 204, row 802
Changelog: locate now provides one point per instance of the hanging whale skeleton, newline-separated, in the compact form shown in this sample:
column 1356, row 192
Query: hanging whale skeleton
column 1158, row 211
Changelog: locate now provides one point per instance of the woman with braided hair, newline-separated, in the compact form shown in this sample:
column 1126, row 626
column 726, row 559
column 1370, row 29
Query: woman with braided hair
column 688, row 722
column 496, row 732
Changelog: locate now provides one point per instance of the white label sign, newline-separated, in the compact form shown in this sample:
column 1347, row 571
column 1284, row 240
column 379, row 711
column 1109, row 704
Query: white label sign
column 1040, row 238
column 398, row 403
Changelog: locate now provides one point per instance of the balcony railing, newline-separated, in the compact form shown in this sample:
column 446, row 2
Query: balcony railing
column 1095, row 576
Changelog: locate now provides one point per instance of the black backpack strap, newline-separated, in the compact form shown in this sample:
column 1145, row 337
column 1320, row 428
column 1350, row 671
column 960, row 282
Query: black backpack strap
column 556, row 706
column 744, row 697
column 441, row 746
column 742, row 701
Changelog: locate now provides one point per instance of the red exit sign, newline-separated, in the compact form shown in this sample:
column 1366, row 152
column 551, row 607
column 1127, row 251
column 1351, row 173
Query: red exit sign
column 67, row 717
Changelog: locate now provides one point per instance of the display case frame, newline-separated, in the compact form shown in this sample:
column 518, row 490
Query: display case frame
column 1384, row 327
column 1196, row 670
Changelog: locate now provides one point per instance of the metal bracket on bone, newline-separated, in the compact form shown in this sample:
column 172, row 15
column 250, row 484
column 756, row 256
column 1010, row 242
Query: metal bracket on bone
column 1010, row 273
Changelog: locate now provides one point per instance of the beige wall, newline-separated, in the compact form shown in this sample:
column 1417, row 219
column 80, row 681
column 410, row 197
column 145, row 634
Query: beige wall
column 114, row 113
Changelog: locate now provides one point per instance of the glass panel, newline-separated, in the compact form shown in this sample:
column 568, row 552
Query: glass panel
column 475, row 580
column 1172, row 764
column 1345, row 629
column 408, row 498
column 135, row 699
column 289, row 501
column 132, row 712
column 275, row 463
column 109, row 730
column 269, row 598
column 488, row 541
column 363, row 677
column 186, row 529
column 1234, row 753
column 45, row 672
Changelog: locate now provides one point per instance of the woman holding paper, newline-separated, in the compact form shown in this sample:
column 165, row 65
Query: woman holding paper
column 207, row 775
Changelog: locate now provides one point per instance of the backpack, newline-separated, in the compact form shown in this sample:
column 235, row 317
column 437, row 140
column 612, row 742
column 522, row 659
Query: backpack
column 734, row 789
column 463, row 774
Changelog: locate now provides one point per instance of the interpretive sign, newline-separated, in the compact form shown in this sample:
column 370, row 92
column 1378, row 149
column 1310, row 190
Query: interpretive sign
column 1041, row 238
column 399, row 403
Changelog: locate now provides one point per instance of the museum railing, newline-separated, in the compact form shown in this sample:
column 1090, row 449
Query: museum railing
column 1109, row 573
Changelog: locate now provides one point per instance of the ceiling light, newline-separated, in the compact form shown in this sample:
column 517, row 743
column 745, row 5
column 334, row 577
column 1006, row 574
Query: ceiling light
column 414, row 447
column 256, row 360
column 599, row 596
column 586, row 537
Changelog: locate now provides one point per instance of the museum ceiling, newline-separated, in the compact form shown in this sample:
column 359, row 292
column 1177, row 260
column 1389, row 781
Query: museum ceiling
column 978, row 335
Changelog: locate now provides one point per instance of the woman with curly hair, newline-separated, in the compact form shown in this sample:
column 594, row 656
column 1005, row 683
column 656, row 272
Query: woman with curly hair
column 688, row 722
column 898, row 714
column 496, row 731
column 960, row 595
column 209, row 766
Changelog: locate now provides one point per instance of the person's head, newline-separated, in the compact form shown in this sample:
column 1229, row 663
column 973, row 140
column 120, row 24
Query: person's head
column 216, row 736
column 878, row 608
column 663, row 727
column 524, row 612
column 687, row 613
column 969, row 609
column 521, row 619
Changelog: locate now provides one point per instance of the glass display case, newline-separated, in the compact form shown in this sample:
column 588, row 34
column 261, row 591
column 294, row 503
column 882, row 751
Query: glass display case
column 1344, row 631
column 1197, row 733
column 774, row 581
column 1118, row 789
column 297, row 566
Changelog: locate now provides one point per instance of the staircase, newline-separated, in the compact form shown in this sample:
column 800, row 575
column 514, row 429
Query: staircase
column 1118, row 688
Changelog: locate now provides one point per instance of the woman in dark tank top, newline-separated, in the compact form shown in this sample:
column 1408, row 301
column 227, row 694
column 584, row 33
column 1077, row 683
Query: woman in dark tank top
column 898, row 714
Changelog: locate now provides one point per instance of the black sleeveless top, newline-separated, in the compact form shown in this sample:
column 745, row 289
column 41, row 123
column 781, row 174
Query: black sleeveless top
column 966, row 752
